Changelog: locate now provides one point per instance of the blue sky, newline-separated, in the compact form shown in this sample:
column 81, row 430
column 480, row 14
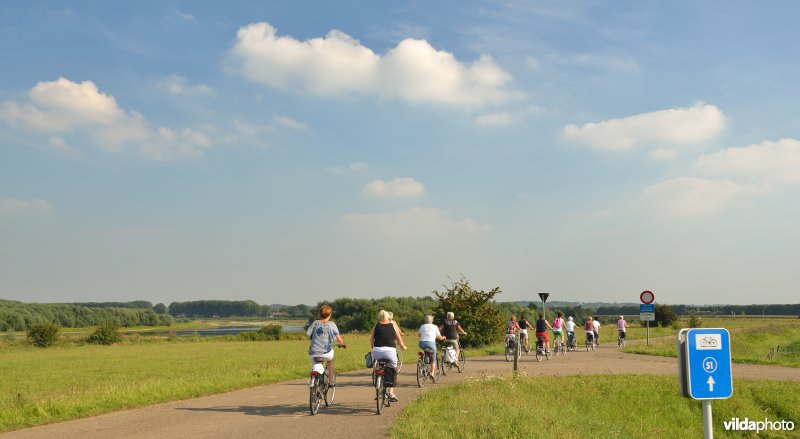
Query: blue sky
column 289, row 152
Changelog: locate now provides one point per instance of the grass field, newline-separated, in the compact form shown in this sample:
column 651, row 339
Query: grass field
column 749, row 343
column 47, row 385
column 619, row 406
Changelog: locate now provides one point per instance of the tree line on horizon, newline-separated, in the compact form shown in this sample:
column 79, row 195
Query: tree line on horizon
column 350, row 314
column 19, row 316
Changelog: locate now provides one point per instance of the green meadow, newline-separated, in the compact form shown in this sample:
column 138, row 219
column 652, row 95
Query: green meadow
column 603, row 406
column 72, row 381
column 750, row 343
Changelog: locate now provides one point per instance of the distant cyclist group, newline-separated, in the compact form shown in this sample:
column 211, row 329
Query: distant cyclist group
column 560, row 327
column 386, row 336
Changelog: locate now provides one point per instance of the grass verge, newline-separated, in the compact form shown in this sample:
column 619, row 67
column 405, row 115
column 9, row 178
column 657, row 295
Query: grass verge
column 618, row 406
column 748, row 345
column 40, row 386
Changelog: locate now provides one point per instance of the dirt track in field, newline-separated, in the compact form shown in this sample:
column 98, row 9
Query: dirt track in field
column 281, row 410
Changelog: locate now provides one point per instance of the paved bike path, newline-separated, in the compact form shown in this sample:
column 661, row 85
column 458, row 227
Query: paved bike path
column 281, row 410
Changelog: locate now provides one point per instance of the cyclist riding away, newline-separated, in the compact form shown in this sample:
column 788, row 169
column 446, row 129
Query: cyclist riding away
column 428, row 334
column 570, row 326
column 589, row 329
column 524, row 325
column 512, row 327
column 542, row 326
column 558, row 327
column 451, row 329
column 323, row 333
column 384, row 340
column 596, row 324
column 621, row 325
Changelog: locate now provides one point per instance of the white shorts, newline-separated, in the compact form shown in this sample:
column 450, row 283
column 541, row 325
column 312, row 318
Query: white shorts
column 327, row 357
column 385, row 353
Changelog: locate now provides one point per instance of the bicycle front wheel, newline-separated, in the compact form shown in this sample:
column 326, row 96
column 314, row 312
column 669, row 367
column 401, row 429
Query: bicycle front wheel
column 330, row 394
column 462, row 360
column 399, row 360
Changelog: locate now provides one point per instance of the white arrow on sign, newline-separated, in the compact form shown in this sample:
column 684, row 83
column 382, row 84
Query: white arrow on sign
column 710, row 384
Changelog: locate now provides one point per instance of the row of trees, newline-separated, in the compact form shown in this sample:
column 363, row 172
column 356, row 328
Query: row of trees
column 362, row 314
column 18, row 316
column 233, row 308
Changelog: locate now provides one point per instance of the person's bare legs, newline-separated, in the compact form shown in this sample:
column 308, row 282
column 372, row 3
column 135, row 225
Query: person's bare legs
column 331, row 372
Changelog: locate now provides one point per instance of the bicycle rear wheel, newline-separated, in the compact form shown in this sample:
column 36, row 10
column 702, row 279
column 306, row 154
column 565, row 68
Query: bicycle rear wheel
column 313, row 397
column 380, row 394
column 420, row 374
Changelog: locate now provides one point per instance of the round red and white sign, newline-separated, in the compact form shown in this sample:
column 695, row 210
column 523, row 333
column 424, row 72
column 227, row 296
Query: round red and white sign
column 647, row 297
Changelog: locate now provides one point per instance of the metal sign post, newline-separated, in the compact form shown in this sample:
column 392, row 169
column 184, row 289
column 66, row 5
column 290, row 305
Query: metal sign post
column 544, row 297
column 704, row 367
column 647, row 311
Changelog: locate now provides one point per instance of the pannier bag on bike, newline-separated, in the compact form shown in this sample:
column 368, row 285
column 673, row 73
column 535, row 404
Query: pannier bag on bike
column 368, row 360
column 389, row 376
column 450, row 355
column 427, row 356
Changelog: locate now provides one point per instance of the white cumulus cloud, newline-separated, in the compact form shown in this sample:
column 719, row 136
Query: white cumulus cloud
column 398, row 188
column 178, row 85
column 288, row 122
column 767, row 161
column 21, row 206
column 415, row 223
column 495, row 119
column 339, row 64
column 81, row 109
column 677, row 126
column 688, row 197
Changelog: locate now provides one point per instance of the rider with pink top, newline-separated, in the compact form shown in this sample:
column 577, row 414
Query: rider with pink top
column 621, row 325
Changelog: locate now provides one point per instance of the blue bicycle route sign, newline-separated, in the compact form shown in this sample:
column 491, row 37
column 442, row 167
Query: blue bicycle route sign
column 706, row 363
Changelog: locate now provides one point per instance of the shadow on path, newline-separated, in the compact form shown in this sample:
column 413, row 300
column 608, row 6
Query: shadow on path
column 287, row 410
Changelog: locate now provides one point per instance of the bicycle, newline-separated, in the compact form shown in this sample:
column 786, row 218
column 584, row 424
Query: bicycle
column 424, row 366
column 449, row 359
column 589, row 341
column 378, row 380
column 572, row 343
column 621, row 339
column 522, row 343
column 511, row 346
column 319, row 387
column 558, row 347
column 596, row 339
column 541, row 351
